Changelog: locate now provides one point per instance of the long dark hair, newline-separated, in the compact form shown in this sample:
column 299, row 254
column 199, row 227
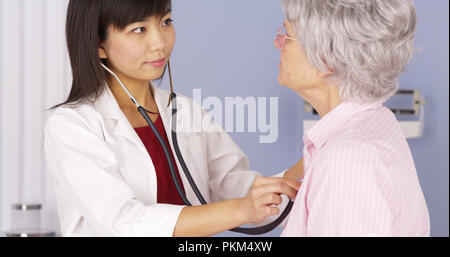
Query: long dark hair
column 87, row 27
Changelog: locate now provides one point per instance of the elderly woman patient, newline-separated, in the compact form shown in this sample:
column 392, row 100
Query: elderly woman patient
column 344, row 57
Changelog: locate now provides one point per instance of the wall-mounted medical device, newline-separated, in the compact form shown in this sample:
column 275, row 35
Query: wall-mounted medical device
column 410, row 128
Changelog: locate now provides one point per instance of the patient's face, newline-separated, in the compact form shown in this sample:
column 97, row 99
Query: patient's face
column 296, row 72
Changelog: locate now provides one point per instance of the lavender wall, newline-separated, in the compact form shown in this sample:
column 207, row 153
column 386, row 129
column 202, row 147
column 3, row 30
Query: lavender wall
column 429, row 73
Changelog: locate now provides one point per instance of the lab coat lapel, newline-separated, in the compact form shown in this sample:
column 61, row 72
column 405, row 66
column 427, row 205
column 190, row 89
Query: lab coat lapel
column 117, row 123
column 109, row 108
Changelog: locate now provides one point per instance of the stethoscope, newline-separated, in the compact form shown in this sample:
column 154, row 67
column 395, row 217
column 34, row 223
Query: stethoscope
column 170, row 161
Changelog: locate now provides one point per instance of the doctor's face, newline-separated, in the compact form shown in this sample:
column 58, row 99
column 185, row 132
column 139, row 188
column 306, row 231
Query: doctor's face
column 141, row 50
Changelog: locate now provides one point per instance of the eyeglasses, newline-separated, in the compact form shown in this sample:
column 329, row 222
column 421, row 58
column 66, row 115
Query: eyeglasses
column 282, row 37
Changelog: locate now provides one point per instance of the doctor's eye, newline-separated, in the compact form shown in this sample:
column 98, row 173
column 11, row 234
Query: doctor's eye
column 139, row 30
column 168, row 22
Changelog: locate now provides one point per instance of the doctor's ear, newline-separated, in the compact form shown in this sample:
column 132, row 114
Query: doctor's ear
column 102, row 53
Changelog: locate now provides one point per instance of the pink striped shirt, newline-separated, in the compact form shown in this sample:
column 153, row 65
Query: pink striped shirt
column 360, row 178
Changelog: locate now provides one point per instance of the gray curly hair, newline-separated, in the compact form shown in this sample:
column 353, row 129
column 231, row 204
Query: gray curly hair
column 366, row 44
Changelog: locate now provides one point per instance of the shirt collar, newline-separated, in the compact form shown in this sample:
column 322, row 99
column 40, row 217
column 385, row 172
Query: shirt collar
column 333, row 121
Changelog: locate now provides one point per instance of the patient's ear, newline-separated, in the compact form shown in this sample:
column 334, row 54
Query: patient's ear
column 326, row 74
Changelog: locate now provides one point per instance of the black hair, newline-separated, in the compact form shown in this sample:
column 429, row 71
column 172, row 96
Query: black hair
column 87, row 27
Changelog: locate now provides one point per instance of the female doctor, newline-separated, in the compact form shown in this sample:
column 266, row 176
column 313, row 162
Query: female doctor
column 109, row 171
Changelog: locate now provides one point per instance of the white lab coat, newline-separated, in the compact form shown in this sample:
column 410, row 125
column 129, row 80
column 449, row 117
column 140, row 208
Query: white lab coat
column 104, row 178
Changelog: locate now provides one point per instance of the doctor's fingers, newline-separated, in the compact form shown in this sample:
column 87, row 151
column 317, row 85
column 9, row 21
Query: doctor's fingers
column 270, row 180
column 277, row 188
column 270, row 199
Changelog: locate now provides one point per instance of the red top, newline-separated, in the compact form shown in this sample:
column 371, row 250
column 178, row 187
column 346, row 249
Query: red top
column 167, row 192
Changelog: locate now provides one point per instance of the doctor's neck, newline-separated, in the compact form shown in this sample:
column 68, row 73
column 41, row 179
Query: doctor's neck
column 141, row 91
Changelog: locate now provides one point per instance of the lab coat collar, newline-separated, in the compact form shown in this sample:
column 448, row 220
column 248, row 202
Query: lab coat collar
column 107, row 104
column 109, row 108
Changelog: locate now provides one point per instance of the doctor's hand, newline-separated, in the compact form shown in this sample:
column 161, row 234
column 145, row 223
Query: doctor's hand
column 213, row 218
column 266, row 192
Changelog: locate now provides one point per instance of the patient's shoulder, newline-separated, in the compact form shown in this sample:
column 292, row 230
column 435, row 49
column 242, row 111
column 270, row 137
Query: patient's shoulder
column 377, row 129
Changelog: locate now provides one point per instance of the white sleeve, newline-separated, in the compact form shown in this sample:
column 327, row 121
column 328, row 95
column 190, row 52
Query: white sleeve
column 229, row 170
column 87, row 170
column 230, row 175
